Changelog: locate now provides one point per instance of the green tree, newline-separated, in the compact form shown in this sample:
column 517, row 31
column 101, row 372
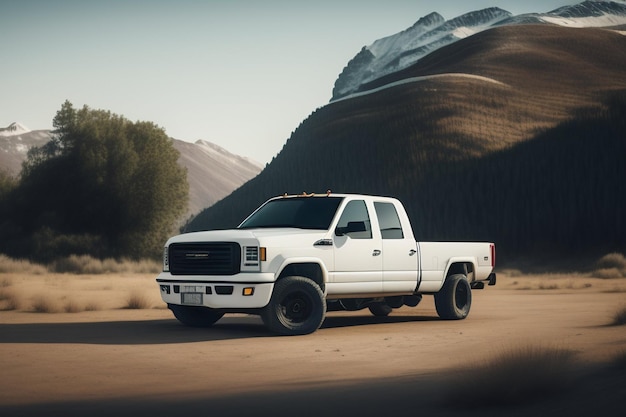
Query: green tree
column 103, row 185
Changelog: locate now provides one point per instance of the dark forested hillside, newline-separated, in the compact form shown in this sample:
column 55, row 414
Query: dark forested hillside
column 514, row 135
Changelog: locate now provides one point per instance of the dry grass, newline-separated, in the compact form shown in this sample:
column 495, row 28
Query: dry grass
column 92, row 306
column 619, row 318
column 48, row 304
column 81, row 265
column 99, row 284
column 72, row 306
column 44, row 304
column 69, row 293
column 551, row 282
column 137, row 301
column 20, row 266
column 514, row 377
column 85, row 264
column 610, row 266
column 9, row 300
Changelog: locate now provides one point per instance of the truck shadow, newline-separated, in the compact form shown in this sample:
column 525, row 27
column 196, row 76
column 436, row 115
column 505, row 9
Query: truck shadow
column 146, row 332
column 131, row 332
column 337, row 320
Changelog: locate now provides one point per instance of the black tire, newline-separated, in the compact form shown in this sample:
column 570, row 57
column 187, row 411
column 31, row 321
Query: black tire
column 380, row 309
column 195, row 316
column 297, row 307
column 454, row 300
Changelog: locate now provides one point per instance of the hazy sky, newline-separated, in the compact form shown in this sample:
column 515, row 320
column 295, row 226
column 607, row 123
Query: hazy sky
column 241, row 74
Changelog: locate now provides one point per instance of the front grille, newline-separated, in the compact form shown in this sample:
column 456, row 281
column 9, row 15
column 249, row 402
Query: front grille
column 215, row 258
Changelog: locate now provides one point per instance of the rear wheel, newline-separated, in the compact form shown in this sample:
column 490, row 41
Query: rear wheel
column 195, row 316
column 454, row 300
column 297, row 307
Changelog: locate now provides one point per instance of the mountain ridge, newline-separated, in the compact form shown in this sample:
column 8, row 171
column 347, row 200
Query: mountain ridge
column 403, row 49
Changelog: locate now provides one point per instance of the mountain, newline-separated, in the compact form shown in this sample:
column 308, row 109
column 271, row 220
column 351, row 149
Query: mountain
column 397, row 52
column 15, row 141
column 13, row 129
column 212, row 172
column 514, row 135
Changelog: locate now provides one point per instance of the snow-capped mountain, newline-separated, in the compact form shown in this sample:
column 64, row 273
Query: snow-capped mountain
column 15, row 141
column 431, row 32
column 13, row 129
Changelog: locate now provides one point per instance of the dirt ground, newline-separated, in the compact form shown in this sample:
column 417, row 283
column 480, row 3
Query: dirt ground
column 107, row 359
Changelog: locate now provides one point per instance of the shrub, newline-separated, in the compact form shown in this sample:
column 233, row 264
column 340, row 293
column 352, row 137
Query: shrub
column 613, row 260
column 71, row 307
column 512, row 378
column 92, row 306
column 137, row 301
column 42, row 304
column 619, row 318
column 20, row 266
column 607, row 273
column 612, row 265
column 9, row 301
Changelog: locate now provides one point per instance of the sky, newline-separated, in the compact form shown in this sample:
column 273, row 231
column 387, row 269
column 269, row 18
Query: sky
column 242, row 74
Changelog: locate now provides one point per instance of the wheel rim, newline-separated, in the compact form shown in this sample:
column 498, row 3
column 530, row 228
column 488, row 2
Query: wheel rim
column 295, row 307
column 461, row 295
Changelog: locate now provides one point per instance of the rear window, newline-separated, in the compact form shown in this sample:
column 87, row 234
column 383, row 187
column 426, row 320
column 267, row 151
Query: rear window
column 390, row 227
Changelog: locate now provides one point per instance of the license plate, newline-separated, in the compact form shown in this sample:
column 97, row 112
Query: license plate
column 192, row 288
column 192, row 298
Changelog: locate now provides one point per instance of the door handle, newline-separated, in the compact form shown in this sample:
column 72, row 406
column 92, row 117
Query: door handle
column 376, row 252
column 412, row 252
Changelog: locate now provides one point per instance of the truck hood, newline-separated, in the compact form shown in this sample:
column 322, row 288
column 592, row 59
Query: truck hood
column 267, row 236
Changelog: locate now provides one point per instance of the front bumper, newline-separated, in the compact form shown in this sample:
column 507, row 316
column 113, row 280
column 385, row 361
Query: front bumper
column 241, row 291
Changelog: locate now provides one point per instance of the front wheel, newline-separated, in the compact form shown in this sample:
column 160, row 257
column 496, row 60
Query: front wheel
column 297, row 307
column 195, row 316
column 454, row 300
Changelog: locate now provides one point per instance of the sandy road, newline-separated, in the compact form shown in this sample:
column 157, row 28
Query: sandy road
column 125, row 362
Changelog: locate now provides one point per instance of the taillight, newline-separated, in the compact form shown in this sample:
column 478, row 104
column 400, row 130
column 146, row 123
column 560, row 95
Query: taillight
column 493, row 255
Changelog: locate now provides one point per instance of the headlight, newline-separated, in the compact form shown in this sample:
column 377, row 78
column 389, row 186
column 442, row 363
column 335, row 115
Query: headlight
column 252, row 256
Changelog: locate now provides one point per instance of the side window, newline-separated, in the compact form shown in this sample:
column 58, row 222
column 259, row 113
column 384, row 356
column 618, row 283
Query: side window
column 354, row 221
column 390, row 227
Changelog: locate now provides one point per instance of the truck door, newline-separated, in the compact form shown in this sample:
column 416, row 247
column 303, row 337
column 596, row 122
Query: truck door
column 358, row 260
column 399, row 252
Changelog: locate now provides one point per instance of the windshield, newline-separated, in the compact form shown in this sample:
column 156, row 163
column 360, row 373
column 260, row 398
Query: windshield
column 298, row 212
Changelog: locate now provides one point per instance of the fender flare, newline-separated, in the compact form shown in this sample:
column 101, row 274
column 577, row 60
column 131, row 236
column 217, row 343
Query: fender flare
column 291, row 262
column 460, row 261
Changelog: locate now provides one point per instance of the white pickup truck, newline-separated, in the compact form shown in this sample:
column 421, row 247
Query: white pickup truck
column 297, row 257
